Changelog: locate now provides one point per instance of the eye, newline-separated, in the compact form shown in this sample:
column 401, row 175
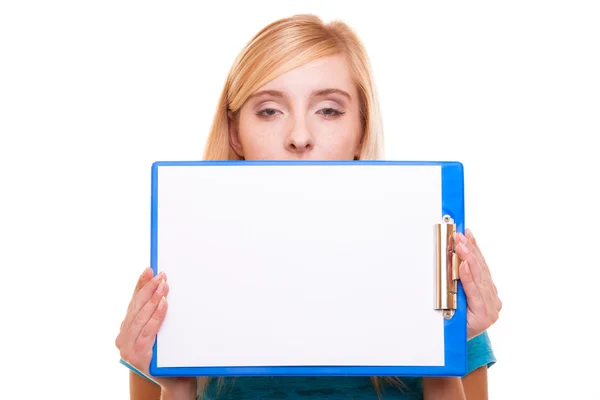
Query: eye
column 330, row 112
column 268, row 112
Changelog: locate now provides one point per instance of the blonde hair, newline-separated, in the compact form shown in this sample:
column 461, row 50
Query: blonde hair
column 280, row 47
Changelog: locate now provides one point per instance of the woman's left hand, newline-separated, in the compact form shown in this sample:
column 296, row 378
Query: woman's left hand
column 483, row 303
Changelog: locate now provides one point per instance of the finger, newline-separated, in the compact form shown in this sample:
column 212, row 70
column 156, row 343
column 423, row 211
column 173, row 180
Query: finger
column 482, row 280
column 140, row 320
column 465, row 254
column 142, row 297
column 144, row 278
column 486, row 287
column 142, row 348
column 475, row 301
column 478, row 308
column 469, row 235
column 474, row 247
column 477, row 254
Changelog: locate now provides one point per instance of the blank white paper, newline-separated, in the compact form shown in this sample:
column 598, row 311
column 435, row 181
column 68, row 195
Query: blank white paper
column 299, row 265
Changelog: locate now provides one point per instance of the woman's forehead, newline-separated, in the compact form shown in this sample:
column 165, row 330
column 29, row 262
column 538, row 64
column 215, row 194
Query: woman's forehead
column 330, row 72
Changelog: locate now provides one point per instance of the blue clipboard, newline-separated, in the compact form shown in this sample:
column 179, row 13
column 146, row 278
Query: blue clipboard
column 455, row 328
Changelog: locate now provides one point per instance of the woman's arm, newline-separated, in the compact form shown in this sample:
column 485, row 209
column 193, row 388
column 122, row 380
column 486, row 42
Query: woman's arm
column 186, row 391
column 475, row 384
column 142, row 389
column 471, row 387
column 480, row 359
column 443, row 389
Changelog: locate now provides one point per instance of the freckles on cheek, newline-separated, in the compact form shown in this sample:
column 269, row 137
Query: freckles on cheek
column 259, row 141
column 339, row 141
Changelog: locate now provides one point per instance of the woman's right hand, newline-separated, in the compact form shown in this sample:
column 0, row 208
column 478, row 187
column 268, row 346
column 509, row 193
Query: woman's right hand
column 145, row 315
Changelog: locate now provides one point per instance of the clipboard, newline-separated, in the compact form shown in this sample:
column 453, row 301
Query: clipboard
column 309, row 268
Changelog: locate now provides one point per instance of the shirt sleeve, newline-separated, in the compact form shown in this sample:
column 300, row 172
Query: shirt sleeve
column 131, row 367
column 479, row 353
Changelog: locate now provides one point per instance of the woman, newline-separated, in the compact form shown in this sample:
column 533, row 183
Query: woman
column 302, row 90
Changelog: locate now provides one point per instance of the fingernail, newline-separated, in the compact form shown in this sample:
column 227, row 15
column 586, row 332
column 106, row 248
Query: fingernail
column 463, row 248
column 469, row 232
column 146, row 271
column 160, row 275
column 161, row 303
column 160, row 287
column 463, row 238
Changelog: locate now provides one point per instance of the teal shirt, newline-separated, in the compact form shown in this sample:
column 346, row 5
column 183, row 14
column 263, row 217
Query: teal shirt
column 480, row 354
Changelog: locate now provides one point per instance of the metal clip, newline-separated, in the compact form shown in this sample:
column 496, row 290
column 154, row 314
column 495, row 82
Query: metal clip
column 447, row 264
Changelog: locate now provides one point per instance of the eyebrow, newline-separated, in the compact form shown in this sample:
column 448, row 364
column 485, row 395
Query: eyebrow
column 316, row 93
column 274, row 93
column 325, row 92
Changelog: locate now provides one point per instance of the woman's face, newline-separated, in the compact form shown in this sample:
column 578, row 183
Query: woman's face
column 309, row 113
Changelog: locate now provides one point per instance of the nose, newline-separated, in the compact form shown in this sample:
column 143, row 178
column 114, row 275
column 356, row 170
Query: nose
column 299, row 138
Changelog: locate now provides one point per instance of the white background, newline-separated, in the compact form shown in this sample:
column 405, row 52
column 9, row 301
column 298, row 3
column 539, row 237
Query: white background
column 92, row 92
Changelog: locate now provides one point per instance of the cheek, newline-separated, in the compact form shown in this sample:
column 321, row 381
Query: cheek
column 260, row 140
column 338, row 138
